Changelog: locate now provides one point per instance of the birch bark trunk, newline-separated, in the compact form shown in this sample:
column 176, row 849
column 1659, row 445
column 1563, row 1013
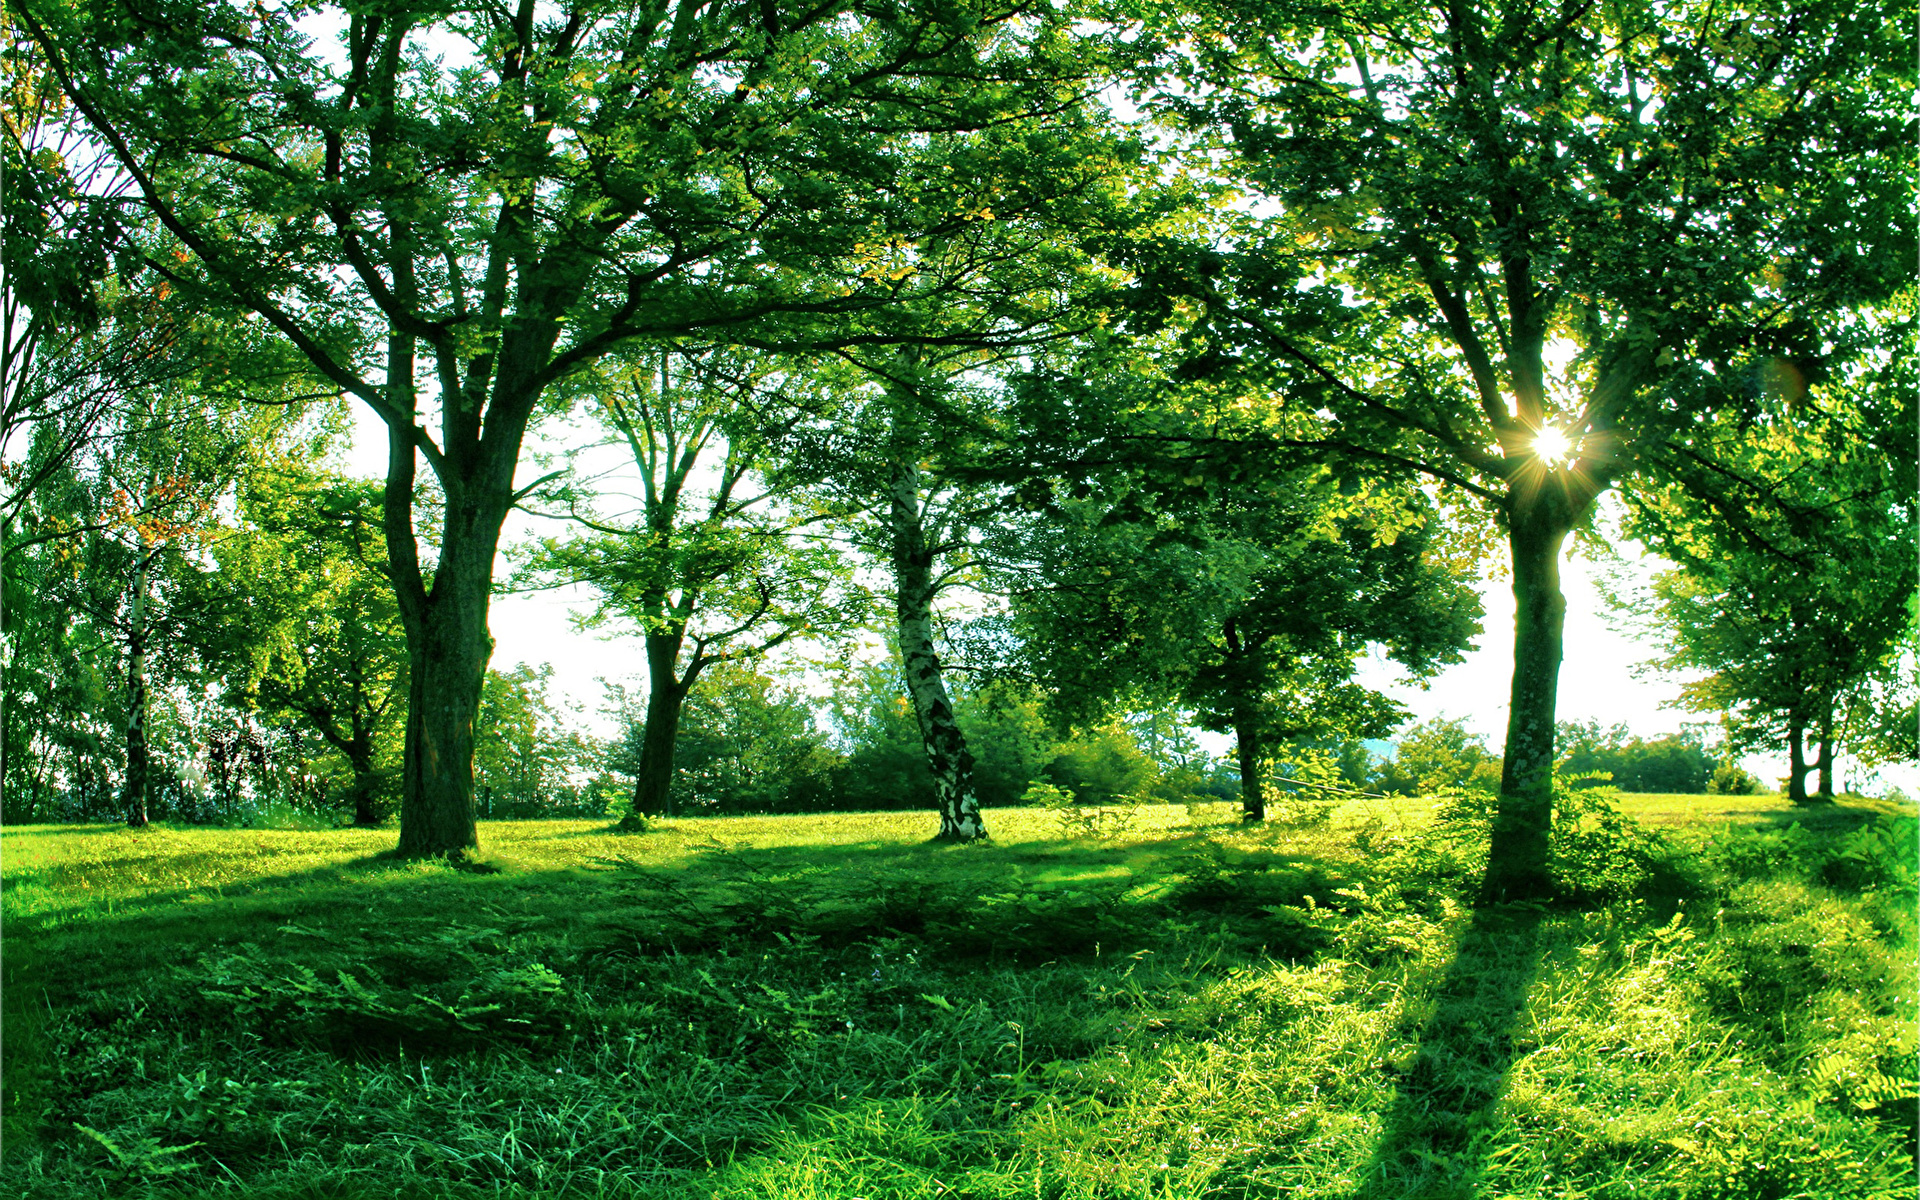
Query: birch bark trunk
column 948, row 758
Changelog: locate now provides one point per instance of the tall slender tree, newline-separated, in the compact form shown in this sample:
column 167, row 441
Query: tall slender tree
column 924, row 461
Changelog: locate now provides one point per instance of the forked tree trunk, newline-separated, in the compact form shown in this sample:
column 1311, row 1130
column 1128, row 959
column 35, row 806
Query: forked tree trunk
column 666, row 700
column 1517, row 856
column 448, row 646
column 135, row 798
column 948, row 759
column 357, row 748
column 1253, row 796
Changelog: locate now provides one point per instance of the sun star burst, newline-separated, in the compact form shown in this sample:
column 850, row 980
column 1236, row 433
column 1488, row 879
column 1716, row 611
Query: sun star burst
column 1553, row 445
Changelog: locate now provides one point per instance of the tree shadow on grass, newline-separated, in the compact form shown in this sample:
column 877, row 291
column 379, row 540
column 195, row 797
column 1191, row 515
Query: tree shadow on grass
column 1039, row 901
column 1439, row 1134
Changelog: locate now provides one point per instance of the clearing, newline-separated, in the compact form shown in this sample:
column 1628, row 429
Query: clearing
column 1148, row 1002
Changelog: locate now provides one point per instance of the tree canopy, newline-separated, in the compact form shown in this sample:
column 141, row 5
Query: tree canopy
column 1224, row 395
column 1530, row 251
column 471, row 205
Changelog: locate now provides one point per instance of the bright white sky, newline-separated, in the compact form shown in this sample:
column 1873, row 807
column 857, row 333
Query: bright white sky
column 1597, row 679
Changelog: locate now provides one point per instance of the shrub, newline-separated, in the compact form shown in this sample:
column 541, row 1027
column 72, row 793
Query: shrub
column 1731, row 779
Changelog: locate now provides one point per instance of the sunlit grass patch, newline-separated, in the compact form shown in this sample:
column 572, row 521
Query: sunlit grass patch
column 833, row 1006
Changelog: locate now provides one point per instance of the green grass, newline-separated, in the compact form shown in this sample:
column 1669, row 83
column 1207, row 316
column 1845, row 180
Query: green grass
column 1149, row 1002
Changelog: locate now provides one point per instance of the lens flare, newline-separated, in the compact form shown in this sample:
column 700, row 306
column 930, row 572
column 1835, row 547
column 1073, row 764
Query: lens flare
column 1553, row 445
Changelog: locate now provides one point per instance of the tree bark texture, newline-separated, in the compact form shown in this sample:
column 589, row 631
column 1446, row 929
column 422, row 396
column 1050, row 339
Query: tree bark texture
column 1253, row 797
column 448, row 642
column 1797, row 766
column 948, row 758
column 666, row 699
column 1517, row 856
column 137, row 754
column 448, row 663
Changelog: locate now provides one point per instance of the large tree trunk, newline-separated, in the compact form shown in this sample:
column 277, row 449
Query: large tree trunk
column 448, row 646
column 1797, row 767
column 947, row 756
column 666, row 699
column 135, row 797
column 448, row 661
column 1517, row 866
column 1253, row 796
column 448, row 642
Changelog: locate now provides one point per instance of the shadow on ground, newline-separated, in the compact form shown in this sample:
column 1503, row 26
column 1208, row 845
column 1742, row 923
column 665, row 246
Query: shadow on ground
column 1442, row 1126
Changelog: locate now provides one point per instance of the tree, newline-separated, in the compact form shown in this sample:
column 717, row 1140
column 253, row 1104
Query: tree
column 1799, row 612
column 112, row 546
column 919, row 464
column 526, row 762
column 712, row 567
column 1677, row 763
column 1247, row 599
column 593, row 173
column 303, row 625
column 1438, row 756
column 929, row 528
column 747, row 743
column 61, row 351
column 1526, row 250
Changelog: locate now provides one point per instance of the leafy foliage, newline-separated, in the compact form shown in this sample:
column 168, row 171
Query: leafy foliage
column 527, row 762
column 1438, row 756
column 1670, row 763
column 1793, row 595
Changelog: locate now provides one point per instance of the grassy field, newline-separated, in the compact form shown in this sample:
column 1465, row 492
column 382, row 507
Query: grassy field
column 1150, row 1002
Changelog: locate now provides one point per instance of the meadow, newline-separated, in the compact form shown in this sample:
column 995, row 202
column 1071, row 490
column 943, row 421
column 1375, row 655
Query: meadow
column 1152, row 1002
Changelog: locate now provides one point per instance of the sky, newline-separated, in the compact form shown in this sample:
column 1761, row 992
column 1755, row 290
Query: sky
column 1603, row 676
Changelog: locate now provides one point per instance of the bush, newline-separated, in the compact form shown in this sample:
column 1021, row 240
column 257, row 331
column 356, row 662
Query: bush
column 1731, row 779
column 1600, row 854
column 1438, row 756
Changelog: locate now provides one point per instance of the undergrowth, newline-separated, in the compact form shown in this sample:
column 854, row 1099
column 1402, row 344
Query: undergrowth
column 1174, row 1008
